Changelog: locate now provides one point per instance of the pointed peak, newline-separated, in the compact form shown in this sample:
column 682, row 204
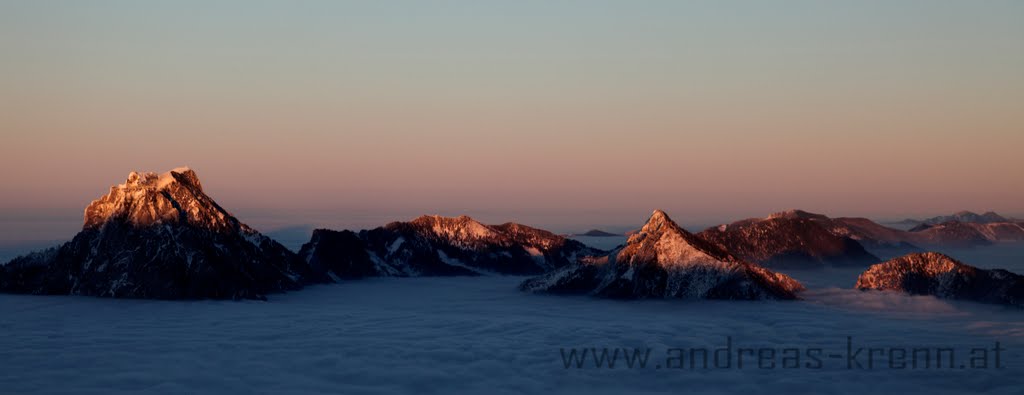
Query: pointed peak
column 659, row 215
column 658, row 218
column 663, row 241
column 658, row 222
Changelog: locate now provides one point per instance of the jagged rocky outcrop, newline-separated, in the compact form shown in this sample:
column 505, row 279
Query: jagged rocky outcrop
column 440, row 246
column 663, row 260
column 944, row 277
column 788, row 240
column 160, row 236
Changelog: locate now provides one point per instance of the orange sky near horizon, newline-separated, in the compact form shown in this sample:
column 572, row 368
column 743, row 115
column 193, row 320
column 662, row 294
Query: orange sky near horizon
column 575, row 110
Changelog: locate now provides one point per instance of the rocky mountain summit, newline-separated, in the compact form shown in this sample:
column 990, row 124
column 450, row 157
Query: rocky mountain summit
column 160, row 236
column 663, row 260
column 441, row 246
column 944, row 277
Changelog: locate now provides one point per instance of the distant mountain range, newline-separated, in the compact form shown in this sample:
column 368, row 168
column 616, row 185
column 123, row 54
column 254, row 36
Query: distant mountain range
column 800, row 239
column 160, row 236
column 764, row 242
column 663, row 260
column 988, row 217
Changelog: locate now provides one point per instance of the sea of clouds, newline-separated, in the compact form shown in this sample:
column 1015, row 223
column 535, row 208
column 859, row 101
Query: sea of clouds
column 481, row 335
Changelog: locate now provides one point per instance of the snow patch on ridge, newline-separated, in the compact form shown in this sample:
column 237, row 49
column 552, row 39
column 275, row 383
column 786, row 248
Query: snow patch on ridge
column 395, row 245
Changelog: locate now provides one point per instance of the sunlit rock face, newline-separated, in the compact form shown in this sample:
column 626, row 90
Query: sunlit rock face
column 147, row 199
column 944, row 277
column 663, row 260
column 441, row 246
column 159, row 236
column 793, row 239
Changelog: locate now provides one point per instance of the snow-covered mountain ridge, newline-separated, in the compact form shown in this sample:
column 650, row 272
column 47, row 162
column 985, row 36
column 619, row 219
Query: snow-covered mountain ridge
column 438, row 246
column 663, row 260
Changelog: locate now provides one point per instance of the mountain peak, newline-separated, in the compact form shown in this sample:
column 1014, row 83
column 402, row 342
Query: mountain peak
column 664, row 260
column 159, row 236
column 658, row 221
column 796, row 214
column 148, row 198
column 462, row 227
column 791, row 239
column 892, row 273
column 944, row 277
column 661, row 240
column 151, row 180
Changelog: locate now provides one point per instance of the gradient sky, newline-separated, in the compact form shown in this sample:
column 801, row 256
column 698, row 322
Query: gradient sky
column 555, row 113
